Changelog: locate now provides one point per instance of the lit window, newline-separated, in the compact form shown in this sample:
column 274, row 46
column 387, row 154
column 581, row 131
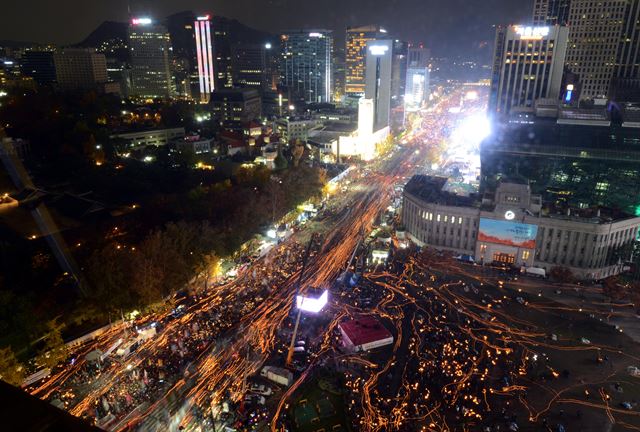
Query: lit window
column 483, row 248
column 525, row 255
column 460, row 220
column 438, row 218
column 453, row 219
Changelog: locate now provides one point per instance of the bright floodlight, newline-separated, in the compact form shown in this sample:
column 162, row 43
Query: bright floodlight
column 472, row 131
column 308, row 303
column 471, row 95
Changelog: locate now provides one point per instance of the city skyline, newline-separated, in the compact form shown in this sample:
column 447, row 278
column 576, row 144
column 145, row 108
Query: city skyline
column 438, row 26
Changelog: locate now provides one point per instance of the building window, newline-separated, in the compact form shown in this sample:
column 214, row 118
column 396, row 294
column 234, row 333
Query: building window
column 453, row 219
column 438, row 218
column 504, row 258
column 525, row 255
column 483, row 248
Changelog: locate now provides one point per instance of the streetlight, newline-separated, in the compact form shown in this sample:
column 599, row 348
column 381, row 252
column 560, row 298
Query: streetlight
column 308, row 303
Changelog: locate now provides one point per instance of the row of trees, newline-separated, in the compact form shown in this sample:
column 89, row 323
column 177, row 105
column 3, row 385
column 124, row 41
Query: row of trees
column 214, row 221
column 127, row 277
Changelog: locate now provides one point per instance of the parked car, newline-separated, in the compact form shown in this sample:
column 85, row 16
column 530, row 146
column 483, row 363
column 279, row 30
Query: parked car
column 261, row 390
column 260, row 400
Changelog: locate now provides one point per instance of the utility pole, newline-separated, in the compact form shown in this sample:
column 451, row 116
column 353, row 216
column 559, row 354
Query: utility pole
column 295, row 328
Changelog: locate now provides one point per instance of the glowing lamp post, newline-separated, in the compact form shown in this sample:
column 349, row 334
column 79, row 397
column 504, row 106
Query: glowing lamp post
column 310, row 302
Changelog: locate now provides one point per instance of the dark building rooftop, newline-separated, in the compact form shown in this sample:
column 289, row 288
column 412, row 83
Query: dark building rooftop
column 430, row 189
column 22, row 412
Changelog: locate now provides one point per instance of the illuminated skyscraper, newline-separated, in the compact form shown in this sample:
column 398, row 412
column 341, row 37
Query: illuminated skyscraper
column 594, row 37
column 305, row 65
column 528, row 65
column 204, row 54
column 378, row 80
column 150, row 47
column 355, row 54
column 417, row 81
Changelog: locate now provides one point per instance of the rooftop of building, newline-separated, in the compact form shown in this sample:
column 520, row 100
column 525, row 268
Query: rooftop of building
column 529, row 130
column 22, row 412
column 431, row 189
column 234, row 93
column 365, row 330
column 593, row 215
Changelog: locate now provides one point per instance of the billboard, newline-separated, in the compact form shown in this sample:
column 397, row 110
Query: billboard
column 508, row 233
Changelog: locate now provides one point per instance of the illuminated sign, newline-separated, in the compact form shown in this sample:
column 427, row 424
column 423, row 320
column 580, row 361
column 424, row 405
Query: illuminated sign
column 509, row 215
column 315, row 34
column 378, row 50
column 508, row 233
column 312, row 304
column 141, row 21
column 531, row 33
column 568, row 96
column 204, row 18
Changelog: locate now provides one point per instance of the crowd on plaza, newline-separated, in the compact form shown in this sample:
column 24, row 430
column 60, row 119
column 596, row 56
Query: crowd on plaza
column 116, row 385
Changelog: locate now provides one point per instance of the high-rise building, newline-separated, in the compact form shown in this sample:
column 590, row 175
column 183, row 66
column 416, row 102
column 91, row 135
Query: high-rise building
column 528, row 65
column 378, row 80
column 184, row 64
column 418, row 56
column 40, row 66
column 594, row 42
column 236, row 105
column 150, row 47
column 355, row 54
column 551, row 12
column 254, row 65
column 223, row 62
column 80, row 69
column 416, row 93
column 398, row 72
column 305, row 65
column 417, row 82
column 339, row 75
column 580, row 158
column 625, row 85
column 204, row 55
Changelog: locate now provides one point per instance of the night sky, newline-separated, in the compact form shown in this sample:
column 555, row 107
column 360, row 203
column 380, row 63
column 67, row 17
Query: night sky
column 448, row 26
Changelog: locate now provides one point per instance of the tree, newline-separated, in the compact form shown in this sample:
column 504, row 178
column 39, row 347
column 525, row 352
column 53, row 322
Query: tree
column 280, row 162
column 147, row 276
column 297, row 152
column 562, row 274
column 11, row 371
column 109, row 273
column 208, row 266
column 54, row 350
